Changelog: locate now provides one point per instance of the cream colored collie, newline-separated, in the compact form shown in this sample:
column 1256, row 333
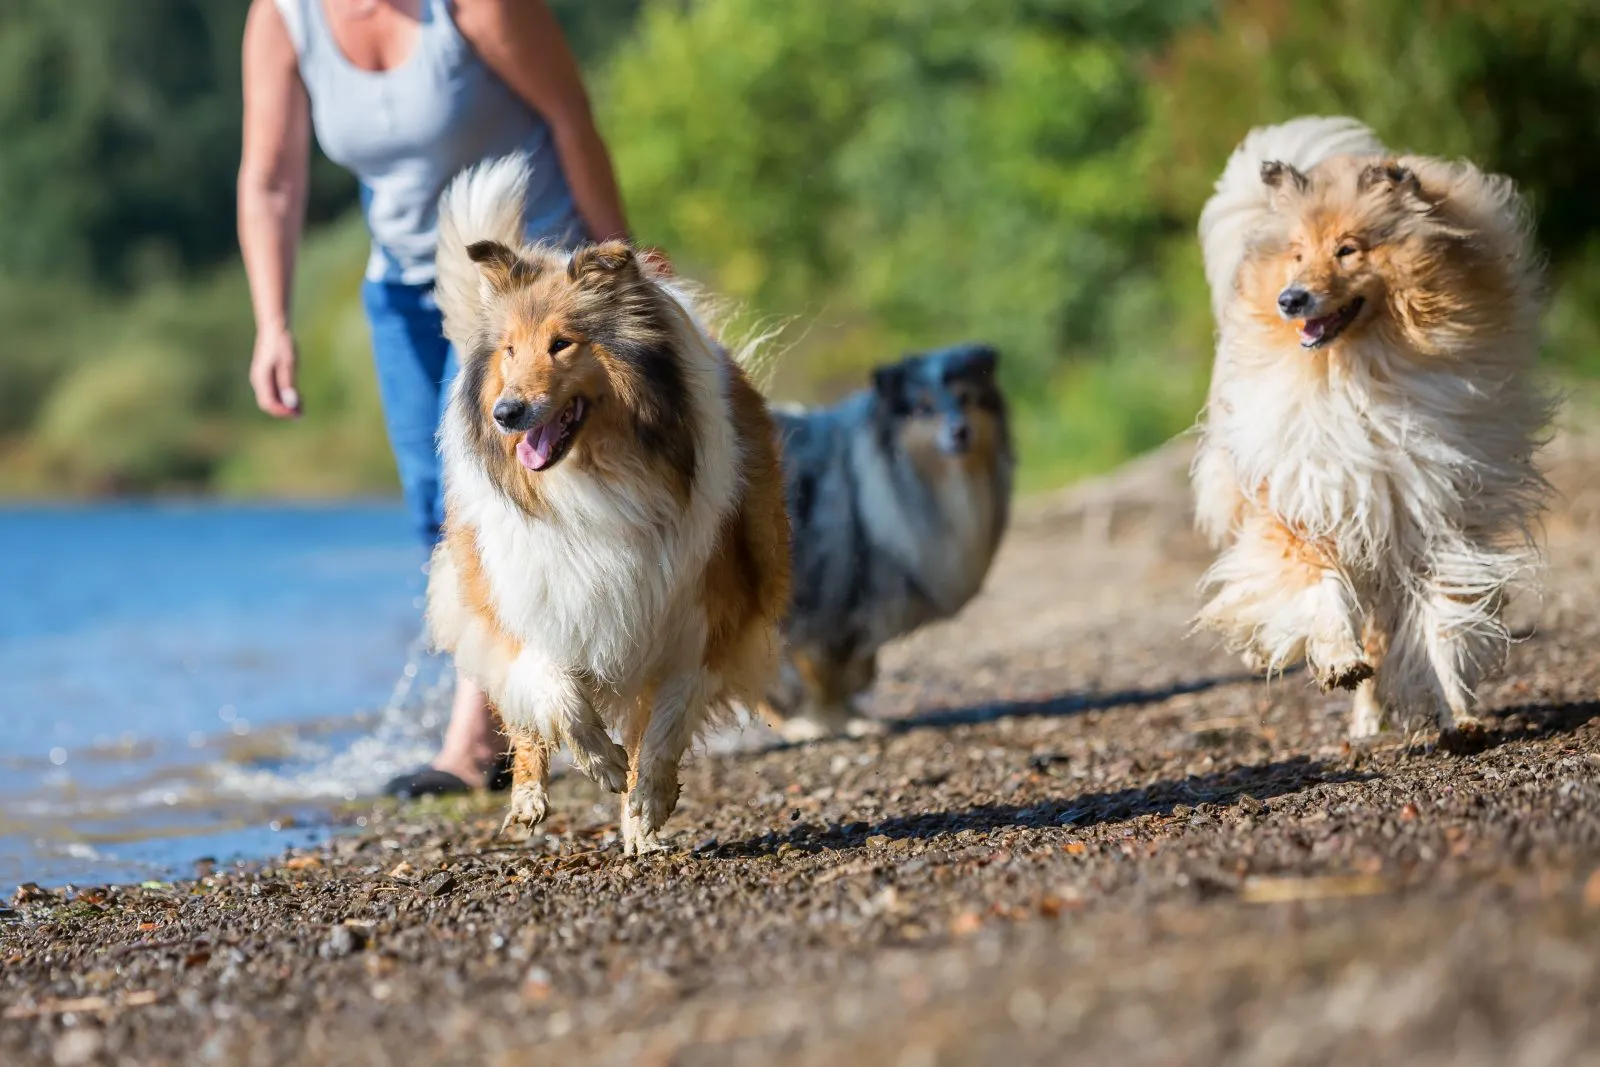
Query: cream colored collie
column 1366, row 457
column 616, row 555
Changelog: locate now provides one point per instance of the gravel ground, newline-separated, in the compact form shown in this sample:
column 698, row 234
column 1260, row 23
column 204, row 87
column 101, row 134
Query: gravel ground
column 1086, row 838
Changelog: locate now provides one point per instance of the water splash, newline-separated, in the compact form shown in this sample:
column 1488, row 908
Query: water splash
column 404, row 734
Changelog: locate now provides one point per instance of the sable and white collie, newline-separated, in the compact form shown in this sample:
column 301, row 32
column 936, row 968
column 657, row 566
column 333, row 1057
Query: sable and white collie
column 1366, row 454
column 616, row 551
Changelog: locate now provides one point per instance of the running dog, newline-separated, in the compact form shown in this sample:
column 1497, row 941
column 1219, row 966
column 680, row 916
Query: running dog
column 898, row 497
column 616, row 554
column 1366, row 460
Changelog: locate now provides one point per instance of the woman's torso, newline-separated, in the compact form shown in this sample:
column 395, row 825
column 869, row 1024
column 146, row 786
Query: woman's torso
column 406, row 131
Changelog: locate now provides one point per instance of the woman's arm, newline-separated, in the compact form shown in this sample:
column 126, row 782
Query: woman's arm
column 274, row 169
column 522, row 42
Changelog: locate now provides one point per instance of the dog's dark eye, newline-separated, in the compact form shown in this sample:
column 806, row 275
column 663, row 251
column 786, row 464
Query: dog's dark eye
column 1344, row 250
column 511, row 351
column 558, row 344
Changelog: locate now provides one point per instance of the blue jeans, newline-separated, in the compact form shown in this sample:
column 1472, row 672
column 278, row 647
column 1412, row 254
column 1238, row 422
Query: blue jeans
column 415, row 368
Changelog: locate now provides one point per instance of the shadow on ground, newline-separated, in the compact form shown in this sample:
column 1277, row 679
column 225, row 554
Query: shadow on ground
column 1063, row 705
column 1261, row 782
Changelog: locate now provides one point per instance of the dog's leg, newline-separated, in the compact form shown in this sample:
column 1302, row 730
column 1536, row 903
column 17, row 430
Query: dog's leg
column 1466, row 641
column 530, row 775
column 673, row 715
column 859, row 675
column 829, row 686
column 1279, row 598
column 558, row 704
column 1218, row 503
column 1366, row 713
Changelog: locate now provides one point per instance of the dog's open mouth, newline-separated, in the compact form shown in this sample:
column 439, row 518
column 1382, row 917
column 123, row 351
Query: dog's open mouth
column 1314, row 333
column 544, row 445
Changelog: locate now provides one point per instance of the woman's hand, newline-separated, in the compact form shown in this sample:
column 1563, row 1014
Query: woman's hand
column 272, row 368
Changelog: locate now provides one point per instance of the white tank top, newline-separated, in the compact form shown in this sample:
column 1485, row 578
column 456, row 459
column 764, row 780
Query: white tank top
column 404, row 133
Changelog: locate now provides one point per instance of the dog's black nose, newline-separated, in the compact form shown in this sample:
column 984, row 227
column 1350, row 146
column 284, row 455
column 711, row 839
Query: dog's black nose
column 1294, row 301
column 508, row 412
column 956, row 438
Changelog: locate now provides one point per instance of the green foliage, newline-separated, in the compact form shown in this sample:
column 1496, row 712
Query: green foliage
column 886, row 173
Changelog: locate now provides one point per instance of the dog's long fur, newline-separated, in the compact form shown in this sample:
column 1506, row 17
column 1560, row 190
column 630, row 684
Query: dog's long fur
column 635, row 581
column 1372, row 490
column 898, row 497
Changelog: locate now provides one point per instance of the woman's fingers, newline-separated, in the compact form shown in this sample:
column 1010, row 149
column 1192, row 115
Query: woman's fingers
column 284, row 375
column 272, row 377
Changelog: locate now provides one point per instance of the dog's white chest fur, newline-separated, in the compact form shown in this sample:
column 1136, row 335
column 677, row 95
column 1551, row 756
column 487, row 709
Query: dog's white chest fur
column 1323, row 459
column 591, row 586
column 949, row 545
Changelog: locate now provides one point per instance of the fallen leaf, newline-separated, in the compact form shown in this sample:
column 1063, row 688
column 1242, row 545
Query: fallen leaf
column 1074, row 848
column 300, row 863
column 1409, row 813
column 1262, row 890
column 79, row 1005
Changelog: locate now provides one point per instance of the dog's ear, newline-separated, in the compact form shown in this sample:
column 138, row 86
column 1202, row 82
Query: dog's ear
column 1398, row 180
column 982, row 359
column 1282, row 177
column 889, row 381
column 608, row 262
column 502, row 268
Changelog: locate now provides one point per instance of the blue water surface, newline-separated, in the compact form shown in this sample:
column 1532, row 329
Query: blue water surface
column 154, row 657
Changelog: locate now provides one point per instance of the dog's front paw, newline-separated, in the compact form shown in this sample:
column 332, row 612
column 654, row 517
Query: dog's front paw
column 1336, row 659
column 653, row 800
column 639, row 837
column 529, row 805
column 1347, row 675
column 600, row 759
column 861, row 726
column 801, row 729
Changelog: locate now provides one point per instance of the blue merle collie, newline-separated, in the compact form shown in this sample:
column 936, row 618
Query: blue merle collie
column 898, row 497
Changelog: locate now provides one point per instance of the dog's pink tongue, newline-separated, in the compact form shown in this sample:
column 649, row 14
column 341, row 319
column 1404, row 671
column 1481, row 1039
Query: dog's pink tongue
column 538, row 444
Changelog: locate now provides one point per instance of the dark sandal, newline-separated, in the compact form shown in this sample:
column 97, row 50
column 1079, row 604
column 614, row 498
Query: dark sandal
column 432, row 782
column 425, row 782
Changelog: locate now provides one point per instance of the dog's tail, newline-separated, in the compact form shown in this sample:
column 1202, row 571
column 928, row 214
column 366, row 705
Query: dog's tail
column 1241, row 197
column 483, row 203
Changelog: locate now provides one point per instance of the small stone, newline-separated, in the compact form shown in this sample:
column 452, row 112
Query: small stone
column 1181, row 811
column 77, row 1047
column 536, row 984
column 439, row 884
column 968, row 922
column 1250, row 805
column 878, row 841
column 340, row 942
column 1409, row 813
